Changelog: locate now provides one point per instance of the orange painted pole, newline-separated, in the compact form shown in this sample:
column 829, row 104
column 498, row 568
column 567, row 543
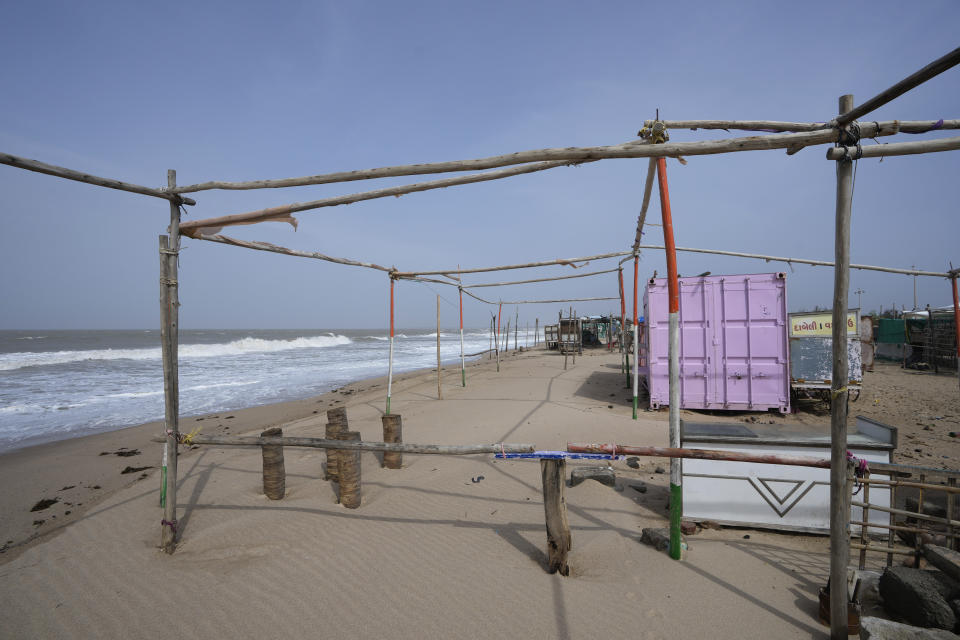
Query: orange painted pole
column 673, row 290
column 390, row 366
column 636, row 335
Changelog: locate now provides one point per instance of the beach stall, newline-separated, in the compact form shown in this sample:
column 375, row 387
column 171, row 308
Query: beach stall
column 550, row 335
column 733, row 345
column 811, row 352
column 776, row 496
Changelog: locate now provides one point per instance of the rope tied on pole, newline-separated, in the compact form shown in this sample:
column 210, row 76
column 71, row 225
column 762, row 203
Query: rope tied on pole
column 860, row 470
column 847, row 137
column 169, row 523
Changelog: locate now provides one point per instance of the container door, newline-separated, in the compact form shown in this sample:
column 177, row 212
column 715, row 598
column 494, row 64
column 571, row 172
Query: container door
column 752, row 343
column 696, row 302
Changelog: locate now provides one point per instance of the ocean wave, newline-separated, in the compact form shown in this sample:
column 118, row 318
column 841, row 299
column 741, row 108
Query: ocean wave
column 13, row 361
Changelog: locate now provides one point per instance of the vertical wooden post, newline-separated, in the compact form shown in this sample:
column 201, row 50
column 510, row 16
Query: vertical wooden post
column 169, row 339
column 917, row 542
column 390, row 365
column 673, row 289
column 349, row 472
column 536, row 332
column 864, row 536
column 499, row 310
column 839, row 492
column 516, row 328
column 951, row 482
column 553, row 474
column 892, row 520
column 506, row 338
column 392, row 432
column 336, row 424
column 439, row 390
column 956, row 319
column 274, row 474
column 463, row 366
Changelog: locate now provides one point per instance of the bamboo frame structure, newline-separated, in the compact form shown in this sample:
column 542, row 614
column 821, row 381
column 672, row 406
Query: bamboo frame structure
column 799, row 136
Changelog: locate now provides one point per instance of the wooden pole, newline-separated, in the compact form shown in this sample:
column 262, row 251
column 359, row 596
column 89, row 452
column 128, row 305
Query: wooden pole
column 894, row 149
column 463, row 365
column 392, row 433
column 816, row 263
column 673, row 288
column 499, row 310
column 516, row 328
column 336, row 424
column 699, row 454
column 536, row 332
column 559, row 542
column 935, row 68
column 905, row 126
column 439, row 390
column 274, row 474
column 341, row 445
column 839, row 491
column 390, row 364
column 349, row 472
column 169, row 339
column 956, row 319
column 70, row 174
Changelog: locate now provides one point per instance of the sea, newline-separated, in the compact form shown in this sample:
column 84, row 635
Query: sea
column 56, row 385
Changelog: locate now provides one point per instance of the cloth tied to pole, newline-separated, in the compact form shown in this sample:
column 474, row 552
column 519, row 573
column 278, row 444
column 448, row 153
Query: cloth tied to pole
column 860, row 470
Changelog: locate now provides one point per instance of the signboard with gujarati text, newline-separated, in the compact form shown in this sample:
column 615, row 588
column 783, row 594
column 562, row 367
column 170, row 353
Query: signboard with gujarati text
column 820, row 324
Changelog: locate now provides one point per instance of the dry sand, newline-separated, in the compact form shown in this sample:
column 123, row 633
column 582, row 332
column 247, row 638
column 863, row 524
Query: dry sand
column 434, row 551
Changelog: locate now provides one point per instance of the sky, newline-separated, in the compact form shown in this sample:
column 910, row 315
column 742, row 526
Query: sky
column 252, row 90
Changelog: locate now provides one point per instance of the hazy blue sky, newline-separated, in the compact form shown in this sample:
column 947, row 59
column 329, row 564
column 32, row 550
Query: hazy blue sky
column 245, row 90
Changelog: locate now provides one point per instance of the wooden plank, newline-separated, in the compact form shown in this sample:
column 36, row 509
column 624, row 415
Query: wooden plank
column 559, row 542
column 70, row 174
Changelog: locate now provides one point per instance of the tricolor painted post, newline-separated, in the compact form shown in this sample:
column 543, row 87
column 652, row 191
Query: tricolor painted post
column 463, row 366
column 673, row 288
column 624, row 364
column 636, row 335
column 390, row 366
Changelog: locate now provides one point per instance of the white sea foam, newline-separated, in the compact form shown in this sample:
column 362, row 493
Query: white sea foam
column 13, row 361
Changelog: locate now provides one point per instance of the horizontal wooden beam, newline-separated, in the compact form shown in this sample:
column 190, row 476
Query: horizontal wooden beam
column 905, row 126
column 935, row 68
column 894, row 149
column 701, row 454
column 358, row 445
column 570, row 262
column 817, row 263
column 542, row 159
column 266, row 246
column 70, row 174
column 505, row 284
column 284, row 213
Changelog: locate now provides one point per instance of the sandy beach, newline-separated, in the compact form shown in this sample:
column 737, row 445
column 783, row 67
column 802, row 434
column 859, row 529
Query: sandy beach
column 444, row 547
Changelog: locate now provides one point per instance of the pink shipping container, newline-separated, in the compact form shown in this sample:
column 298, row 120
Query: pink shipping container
column 734, row 353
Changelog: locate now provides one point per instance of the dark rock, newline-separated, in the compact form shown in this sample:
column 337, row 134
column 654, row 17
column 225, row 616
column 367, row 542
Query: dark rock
column 688, row 528
column 659, row 539
column 633, row 462
column 45, row 504
column 639, row 487
column 919, row 597
column 659, row 470
column 944, row 559
column 603, row 475
column 879, row 629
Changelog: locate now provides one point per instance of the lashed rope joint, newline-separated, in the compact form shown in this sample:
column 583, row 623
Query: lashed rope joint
column 170, row 523
column 847, row 137
column 860, row 470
